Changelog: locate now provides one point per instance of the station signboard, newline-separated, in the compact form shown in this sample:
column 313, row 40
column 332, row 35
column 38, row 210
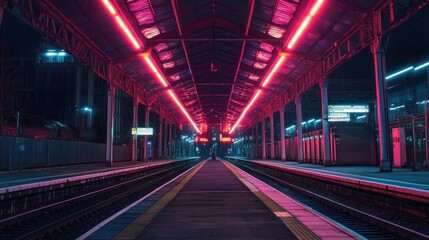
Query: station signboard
column 338, row 117
column 348, row 108
column 142, row 131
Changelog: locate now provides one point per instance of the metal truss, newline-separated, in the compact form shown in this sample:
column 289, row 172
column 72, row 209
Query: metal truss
column 386, row 16
column 46, row 18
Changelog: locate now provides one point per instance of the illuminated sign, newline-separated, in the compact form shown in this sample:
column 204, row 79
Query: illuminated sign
column 339, row 117
column 225, row 138
column 201, row 139
column 348, row 109
column 142, row 131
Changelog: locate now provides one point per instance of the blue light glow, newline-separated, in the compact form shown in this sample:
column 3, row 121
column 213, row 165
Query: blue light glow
column 311, row 120
column 400, row 72
column 360, row 117
column 318, row 120
column 421, row 66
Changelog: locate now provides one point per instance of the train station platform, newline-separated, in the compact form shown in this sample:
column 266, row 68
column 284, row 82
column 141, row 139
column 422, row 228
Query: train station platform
column 401, row 181
column 216, row 200
column 32, row 178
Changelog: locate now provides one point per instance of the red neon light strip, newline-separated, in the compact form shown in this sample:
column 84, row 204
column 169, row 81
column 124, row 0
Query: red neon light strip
column 280, row 60
column 245, row 110
column 183, row 110
column 304, row 24
column 109, row 7
column 274, row 70
column 127, row 31
column 155, row 70
column 299, row 32
column 316, row 7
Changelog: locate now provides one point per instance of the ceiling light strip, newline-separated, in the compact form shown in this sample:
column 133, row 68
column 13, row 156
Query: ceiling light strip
column 170, row 91
column 245, row 110
column 280, row 60
column 146, row 57
column 304, row 24
column 155, row 70
column 282, row 57
column 122, row 24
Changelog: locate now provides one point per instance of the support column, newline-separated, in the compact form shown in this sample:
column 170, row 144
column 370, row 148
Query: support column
column 165, row 138
column 252, row 146
column 272, row 134
column 326, row 146
column 170, row 143
column 299, row 128
column 146, row 124
column 282, row 133
column 109, row 125
column 378, row 53
column 161, row 118
column 264, row 143
column 135, row 125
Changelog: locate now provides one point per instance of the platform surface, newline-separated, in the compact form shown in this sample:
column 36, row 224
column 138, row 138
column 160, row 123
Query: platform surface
column 216, row 200
column 401, row 177
column 17, row 178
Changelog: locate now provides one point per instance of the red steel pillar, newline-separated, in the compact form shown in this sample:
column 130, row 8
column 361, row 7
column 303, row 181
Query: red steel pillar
column 299, row 128
column 378, row 52
column 264, row 143
column 326, row 146
column 282, row 133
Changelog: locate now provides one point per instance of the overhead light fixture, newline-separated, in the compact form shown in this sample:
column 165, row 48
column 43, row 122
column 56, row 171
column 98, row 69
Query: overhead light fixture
column 400, row 72
column 170, row 91
column 109, row 7
column 122, row 24
column 314, row 9
column 304, row 24
column 245, row 110
column 154, row 69
column 280, row 60
column 422, row 66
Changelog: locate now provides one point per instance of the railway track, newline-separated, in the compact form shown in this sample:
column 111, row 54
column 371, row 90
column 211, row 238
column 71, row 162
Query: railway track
column 368, row 223
column 69, row 218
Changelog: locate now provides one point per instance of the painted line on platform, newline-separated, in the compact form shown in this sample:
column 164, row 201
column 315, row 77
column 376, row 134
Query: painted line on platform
column 105, row 222
column 300, row 230
column 135, row 228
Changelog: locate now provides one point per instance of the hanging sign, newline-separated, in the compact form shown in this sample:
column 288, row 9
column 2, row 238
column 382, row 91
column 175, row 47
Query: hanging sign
column 142, row 131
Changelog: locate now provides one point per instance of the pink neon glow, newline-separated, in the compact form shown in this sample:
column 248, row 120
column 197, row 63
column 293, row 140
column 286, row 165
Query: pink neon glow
column 299, row 32
column 155, row 70
column 127, row 31
column 245, row 110
column 316, row 7
column 183, row 110
column 109, row 7
column 275, row 68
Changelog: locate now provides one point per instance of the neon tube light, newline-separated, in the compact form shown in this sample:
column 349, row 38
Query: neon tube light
column 127, row 31
column 421, row 66
column 316, row 7
column 305, row 23
column 183, row 110
column 276, row 66
column 299, row 32
column 155, row 70
column 400, row 72
column 245, row 110
column 109, row 7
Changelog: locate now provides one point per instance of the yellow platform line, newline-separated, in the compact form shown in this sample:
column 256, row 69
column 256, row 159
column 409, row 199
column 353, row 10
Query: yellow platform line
column 134, row 229
column 292, row 223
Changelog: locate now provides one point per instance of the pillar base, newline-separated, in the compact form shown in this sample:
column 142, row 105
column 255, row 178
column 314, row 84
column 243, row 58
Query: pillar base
column 109, row 164
column 385, row 166
column 327, row 163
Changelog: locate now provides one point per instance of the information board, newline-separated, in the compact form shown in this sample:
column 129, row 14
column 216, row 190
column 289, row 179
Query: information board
column 142, row 131
column 338, row 117
column 348, row 109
